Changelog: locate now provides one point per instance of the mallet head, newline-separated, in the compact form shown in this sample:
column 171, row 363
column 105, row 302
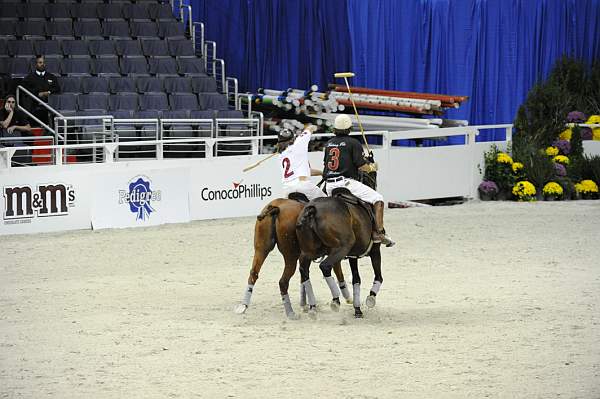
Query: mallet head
column 344, row 75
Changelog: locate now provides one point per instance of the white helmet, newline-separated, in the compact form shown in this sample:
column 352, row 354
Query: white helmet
column 342, row 122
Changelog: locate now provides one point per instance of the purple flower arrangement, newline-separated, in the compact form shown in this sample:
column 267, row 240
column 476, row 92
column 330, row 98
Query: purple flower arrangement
column 560, row 169
column 586, row 133
column 564, row 146
column 488, row 187
column 576, row 117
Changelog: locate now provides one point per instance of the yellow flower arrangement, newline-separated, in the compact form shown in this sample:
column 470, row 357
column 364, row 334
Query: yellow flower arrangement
column 553, row 189
column 504, row 158
column 593, row 119
column 586, row 187
column 566, row 134
column 517, row 166
column 561, row 159
column 552, row 151
column 524, row 191
column 596, row 130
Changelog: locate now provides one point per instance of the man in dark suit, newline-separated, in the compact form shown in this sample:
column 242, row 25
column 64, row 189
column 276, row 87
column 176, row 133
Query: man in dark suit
column 42, row 84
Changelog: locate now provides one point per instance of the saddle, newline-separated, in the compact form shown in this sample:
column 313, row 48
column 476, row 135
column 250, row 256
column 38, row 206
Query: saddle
column 345, row 195
column 299, row 197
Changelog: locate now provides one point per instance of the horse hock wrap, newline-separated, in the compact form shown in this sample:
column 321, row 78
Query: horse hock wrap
column 356, row 298
column 335, row 291
column 309, row 293
column 248, row 294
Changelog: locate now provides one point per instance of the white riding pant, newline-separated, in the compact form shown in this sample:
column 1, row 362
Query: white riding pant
column 305, row 187
column 360, row 190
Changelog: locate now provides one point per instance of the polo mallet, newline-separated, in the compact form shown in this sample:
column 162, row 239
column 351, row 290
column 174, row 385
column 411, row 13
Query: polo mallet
column 255, row 164
column 347, row 75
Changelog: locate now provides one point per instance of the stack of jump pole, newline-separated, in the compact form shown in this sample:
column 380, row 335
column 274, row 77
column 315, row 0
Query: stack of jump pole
column 292, row 108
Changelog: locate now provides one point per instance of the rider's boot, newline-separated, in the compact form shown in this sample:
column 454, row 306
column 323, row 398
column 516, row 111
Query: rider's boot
column 379, row 235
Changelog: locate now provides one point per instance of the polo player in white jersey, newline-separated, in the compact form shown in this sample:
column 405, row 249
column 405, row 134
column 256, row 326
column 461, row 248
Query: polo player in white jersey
column 295, row 168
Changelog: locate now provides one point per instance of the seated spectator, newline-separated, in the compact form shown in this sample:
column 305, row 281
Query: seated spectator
column 42, row 84
column 13, row 123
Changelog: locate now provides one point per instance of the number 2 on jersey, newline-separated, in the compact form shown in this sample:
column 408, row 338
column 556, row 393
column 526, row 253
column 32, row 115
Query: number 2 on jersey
column 286, row 168
column 334, row 158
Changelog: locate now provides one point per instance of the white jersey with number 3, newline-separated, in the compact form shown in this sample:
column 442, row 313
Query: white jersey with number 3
column 294, row 160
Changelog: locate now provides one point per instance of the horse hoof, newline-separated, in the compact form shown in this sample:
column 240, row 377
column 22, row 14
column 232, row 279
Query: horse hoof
column 292, row 316
column 349, row 301
column 358, row 314
column 370, row 301
column 240, row 308
column 335, row 304
column 312, row 313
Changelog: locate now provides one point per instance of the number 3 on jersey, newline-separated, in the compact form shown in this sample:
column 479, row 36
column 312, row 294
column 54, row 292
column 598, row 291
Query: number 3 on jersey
column 334, row 158
column 286, row 168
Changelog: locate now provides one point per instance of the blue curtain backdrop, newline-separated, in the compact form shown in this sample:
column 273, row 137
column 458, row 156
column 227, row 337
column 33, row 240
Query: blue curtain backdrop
column 491, row 50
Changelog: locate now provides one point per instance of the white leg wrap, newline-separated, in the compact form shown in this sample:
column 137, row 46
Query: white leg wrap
column 376, row 286
column 335, row 291
column 356, row 299
column 248, row 294
column 302, row 295
column 344, row 289
column 287, row 305
column 310, row 295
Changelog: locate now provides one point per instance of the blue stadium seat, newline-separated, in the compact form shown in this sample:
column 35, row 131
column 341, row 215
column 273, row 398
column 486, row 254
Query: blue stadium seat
column 70, row 84
column 134, row 66
column 63, row 101
column 8, row 30
column 122, row 85
column 31, row 12
column 155, row 48
column 161, row 12
column 93, row 101
column 8, row 12
column 149, row 85
column 215, row 101
column 103, row 49
column 57, row 12
column 163, row 67
column 116, row 30
column 123, row 101
column 83, row 11
column 110, row 12
column 204, row 84
column 48, row 48
column 94, row 84
column 88, row 30
column 184, row 101
column 18, row 67
column 137, row 12
column 21, row 48
column 105, row 67
column 153, row 101
column 181, row 48
column 75, row 67
column 171, row 30
column 75, row 48
column 129, row 48
column 31, row 30
column 178, row 85
column 61, row 30
column 191, row 66
column 144, row 30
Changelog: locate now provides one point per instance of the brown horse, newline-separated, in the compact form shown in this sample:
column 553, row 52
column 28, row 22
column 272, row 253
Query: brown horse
column 338, row 227
column 276, row 224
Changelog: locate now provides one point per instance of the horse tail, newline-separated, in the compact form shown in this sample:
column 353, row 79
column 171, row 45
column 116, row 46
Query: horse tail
column 272, row 211
column 308, row 219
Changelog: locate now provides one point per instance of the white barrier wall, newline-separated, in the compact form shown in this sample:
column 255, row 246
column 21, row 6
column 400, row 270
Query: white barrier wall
column 152, row 192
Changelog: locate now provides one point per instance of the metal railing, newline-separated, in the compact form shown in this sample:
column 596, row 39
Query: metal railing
column 38, row 101
column 25, row 151
column 198, row 44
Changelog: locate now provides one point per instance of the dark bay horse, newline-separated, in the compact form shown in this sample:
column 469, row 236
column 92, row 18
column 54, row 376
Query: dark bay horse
column 338, row 228
column 276, row 225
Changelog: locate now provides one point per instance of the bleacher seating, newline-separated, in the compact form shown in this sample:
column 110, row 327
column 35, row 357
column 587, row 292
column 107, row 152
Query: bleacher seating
column 133, row 59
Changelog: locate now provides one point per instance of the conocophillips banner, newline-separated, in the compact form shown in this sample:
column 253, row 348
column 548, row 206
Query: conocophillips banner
column 145, row 198
column 224, row 191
